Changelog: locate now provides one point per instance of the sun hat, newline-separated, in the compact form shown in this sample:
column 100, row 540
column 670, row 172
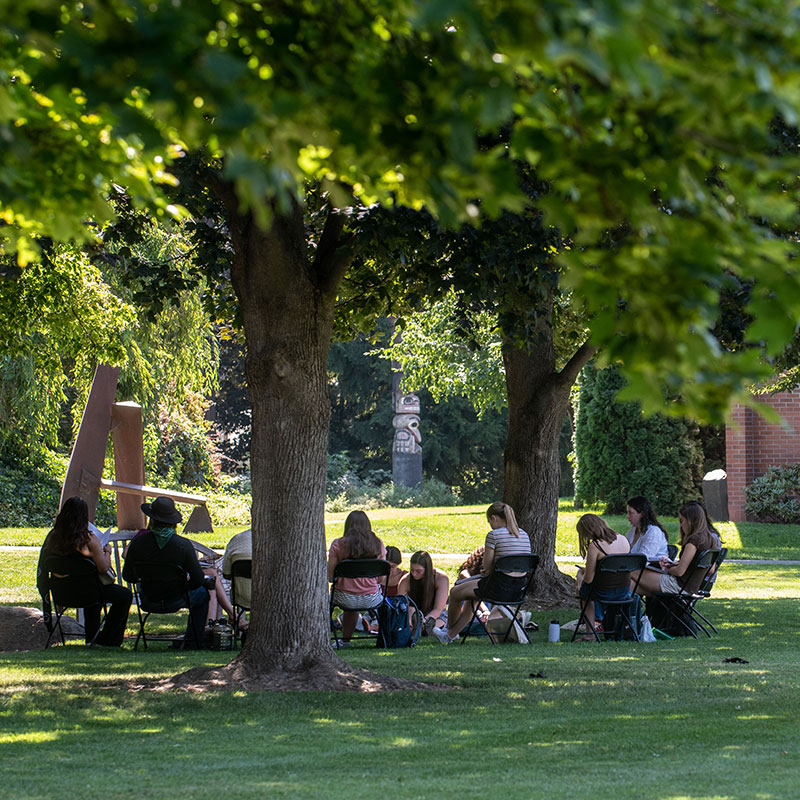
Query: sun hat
column 162, row 509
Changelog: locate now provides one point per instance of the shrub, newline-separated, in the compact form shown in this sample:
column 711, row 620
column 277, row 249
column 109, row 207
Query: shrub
column 390, row 495
column 28, row 496
column 775, row 496
column 186, row 455
column 620, row 453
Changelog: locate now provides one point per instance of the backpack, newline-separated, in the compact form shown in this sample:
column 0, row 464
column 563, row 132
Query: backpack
column 616, row 626
column 394, row 628
column 665, row 622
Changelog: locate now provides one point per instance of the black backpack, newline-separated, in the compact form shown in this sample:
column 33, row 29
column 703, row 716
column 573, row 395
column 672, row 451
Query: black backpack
column 394, row 628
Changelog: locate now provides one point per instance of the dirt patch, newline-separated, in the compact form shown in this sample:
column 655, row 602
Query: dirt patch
column 21, row 628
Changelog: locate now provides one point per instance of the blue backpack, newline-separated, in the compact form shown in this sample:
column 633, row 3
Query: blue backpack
column 394, row 628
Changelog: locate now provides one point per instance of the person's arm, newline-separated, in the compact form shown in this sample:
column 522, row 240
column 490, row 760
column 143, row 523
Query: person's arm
column 404, row 585
column 488, row 559
column 683, row 564
column 333, row 559
column 653, row 543
column 99, row 555
column 192, row 565
column 441, row 590
column 591, row 563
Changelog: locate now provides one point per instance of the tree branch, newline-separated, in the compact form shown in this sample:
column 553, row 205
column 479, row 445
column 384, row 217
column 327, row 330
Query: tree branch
column 334, row 252
column 580, row 358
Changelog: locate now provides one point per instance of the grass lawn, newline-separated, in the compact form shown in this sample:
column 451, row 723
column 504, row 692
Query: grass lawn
column 668, row 720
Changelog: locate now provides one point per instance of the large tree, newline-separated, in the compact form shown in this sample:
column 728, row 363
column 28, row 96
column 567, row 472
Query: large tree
column 647, row 117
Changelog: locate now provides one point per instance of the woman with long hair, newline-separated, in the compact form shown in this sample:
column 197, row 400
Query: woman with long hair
column 695, row 537
column 597, row 541
column 70, row 537
column 358, row 541
column 427, row 587
column 646, row 534
column 505, row 538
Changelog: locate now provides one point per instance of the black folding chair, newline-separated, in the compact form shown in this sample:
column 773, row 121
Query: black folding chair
column 161, row 589
column 679, row 606
column 512, row 604
column 359, row 568
column 74, row 583
column 705, row 591
column 614, row 571
column 242, row 569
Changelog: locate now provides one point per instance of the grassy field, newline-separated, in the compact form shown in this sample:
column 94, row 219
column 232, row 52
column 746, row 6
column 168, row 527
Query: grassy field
column 668, row 720
column 460, row 530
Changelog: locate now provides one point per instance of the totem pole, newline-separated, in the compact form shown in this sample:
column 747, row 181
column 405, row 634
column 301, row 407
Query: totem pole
column 407, row 448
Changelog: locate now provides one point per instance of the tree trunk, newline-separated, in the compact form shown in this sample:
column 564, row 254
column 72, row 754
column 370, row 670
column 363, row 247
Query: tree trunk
column 538, row 402
column 287, row 302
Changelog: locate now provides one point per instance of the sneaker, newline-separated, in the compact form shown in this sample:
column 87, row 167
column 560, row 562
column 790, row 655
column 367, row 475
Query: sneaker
column 340, row 643
column 442, row 635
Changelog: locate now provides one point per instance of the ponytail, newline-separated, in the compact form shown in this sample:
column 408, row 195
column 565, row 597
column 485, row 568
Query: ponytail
column 506, row 513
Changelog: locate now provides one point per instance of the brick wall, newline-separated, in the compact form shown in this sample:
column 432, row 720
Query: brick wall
column 753, row 445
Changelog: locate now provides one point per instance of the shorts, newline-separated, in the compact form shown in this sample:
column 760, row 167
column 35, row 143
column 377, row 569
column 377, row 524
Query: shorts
column 356, row 602
column 668, row 584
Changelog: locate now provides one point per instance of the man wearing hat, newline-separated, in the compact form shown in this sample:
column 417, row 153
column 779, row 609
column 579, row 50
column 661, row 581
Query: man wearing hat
column 160, row 543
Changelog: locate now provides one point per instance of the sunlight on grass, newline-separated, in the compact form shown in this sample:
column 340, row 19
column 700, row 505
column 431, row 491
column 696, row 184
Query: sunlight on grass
column 729, row 533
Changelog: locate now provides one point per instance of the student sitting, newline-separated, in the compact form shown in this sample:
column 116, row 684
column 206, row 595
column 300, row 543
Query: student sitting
column 597, row 541
column 352, row 594
column 427, row 587
column 505, row 538
column 646, row 535
column 159, row 542
column 695, row 537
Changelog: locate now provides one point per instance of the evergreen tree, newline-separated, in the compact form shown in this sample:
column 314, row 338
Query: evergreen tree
column 620, row 452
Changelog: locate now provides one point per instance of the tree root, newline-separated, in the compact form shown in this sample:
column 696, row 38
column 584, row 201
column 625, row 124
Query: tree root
column 558, row 591
column 323, row 674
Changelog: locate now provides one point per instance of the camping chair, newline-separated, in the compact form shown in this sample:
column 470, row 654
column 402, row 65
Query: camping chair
column 680, row 606
column 242, row 569
column 74, row 583
column 610, row 571
column 359, row 568
column 512, row 605
column 705, row 591
column 160, row 589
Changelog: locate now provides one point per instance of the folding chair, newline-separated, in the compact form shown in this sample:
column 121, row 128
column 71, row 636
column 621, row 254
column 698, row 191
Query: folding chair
column 73, row 583
column 359, row 568
column 513, row 605
column 611, row 572
column 243, row 570
column 680, row 606
column 160, row 589
column 705, row 591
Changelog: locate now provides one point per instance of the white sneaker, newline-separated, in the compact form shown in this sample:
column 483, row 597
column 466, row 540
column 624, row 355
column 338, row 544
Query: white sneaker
column 442, row 635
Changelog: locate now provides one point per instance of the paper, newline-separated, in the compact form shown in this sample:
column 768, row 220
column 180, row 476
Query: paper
column 103, row 536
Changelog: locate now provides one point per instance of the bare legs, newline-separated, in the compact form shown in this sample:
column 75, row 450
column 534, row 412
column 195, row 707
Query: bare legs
column 349, row 620
column 460, row 605
column 218, row 598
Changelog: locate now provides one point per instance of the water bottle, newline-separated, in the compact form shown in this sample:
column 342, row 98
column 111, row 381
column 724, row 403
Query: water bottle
column 554, row 631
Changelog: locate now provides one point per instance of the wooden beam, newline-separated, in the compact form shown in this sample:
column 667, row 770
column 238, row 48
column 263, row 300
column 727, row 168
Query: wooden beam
column 151, row 491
